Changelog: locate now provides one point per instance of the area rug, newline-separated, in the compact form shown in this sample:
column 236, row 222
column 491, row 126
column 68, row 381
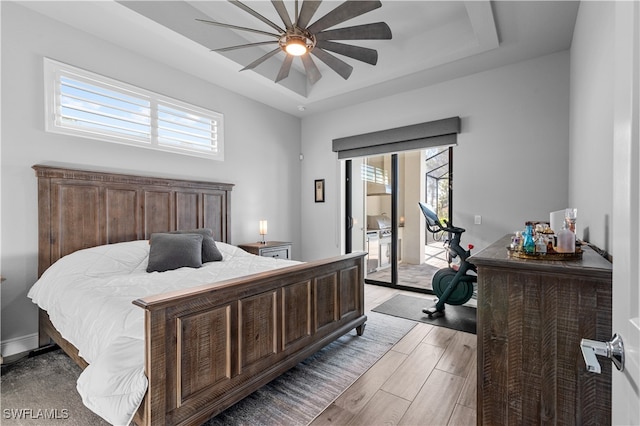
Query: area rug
column 42, row 391
column 462, row 318
column 45, row 385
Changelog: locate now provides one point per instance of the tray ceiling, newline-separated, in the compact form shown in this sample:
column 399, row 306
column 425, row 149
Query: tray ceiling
column 432, row 41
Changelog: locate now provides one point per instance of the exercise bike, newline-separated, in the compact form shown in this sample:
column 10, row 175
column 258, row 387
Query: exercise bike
column 453, row 285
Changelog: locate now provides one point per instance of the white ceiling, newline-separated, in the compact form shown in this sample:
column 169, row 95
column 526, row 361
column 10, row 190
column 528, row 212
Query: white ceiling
column 433, row 41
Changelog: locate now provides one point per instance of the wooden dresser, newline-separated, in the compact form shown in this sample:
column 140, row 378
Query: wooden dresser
column 532, row 315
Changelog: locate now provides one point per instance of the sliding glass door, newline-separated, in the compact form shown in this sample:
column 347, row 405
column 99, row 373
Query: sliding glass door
column 383, row 217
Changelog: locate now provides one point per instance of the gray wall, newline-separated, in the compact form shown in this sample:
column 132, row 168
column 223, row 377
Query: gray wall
column 510, row 165
column 261, row 156
column 591, row 160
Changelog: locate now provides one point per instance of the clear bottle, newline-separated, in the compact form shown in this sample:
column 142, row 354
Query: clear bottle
column 566, row 241
column 528, row 243
column 541, row 245
column 516, row 240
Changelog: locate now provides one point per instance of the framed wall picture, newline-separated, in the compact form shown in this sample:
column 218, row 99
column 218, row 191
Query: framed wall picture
column 319, row 190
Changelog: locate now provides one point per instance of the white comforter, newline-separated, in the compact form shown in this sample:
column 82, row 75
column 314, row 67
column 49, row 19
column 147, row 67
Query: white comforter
column 88, row 296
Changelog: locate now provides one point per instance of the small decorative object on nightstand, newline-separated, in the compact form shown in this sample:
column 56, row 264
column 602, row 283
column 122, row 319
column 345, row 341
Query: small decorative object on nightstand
column 277, row 249
column 263, row 230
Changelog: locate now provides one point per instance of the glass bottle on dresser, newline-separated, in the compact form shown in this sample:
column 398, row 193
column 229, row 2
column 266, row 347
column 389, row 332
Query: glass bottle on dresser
column 566, row 240
column 528, row 243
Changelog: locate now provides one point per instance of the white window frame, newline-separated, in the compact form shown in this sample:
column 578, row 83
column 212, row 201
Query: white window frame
column 151, row 137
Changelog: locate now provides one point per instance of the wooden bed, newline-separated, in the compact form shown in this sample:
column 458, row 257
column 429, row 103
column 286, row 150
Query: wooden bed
column 209, row 347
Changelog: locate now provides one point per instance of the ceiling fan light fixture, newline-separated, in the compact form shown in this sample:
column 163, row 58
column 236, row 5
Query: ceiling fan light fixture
column 297, row 42
column 295, row 47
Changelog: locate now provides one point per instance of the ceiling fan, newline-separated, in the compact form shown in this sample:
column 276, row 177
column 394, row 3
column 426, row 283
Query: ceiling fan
column 299, row 38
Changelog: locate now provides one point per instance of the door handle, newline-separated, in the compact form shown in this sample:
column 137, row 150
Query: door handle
column 614, row 350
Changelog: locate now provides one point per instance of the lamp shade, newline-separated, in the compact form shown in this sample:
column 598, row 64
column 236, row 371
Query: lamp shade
column 263, row 227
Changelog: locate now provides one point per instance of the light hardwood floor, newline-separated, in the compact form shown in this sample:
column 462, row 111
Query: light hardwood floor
column 427, row 378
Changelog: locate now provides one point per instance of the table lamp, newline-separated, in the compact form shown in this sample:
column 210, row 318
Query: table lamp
column 263, row 230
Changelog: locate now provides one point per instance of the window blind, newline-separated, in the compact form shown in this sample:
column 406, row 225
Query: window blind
column 82, row 103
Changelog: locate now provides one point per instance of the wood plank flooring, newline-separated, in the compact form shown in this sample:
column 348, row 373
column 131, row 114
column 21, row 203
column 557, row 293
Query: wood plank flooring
column 427, row 378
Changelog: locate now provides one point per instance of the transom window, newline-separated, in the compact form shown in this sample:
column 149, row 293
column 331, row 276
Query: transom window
column 86, row 104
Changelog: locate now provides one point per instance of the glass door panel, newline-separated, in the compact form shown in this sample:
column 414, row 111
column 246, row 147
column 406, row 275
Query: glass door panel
column 356, row 217
column 376, row 174
column 411, row 273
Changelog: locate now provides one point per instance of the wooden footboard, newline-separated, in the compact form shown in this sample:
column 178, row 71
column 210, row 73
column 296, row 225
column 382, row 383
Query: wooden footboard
column 209, row 347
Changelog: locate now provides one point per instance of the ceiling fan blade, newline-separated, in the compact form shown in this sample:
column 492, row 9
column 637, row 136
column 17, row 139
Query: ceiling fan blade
column 284, row 69
column 313, row 74
column 338, row 65
column 261, row 59
column 363, row 54
column 235, row 27
column 282, row 11
column 242, row 46
column 377, row 31
column 256, row 15
column 344, row 12
column 309, row 7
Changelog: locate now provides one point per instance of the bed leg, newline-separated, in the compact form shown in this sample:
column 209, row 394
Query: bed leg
column 360, row 329
column 43, row 337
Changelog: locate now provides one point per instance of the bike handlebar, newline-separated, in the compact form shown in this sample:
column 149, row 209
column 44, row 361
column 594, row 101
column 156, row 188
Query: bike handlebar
column 454, row 229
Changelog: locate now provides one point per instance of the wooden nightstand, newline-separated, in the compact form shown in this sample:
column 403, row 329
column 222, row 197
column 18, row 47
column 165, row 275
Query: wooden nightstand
column 277, row 249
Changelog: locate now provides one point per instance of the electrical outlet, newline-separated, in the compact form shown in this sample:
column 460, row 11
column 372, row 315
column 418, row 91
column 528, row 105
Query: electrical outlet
column 478, row 220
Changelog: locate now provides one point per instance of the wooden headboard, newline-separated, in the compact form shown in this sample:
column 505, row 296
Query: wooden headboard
column 78, row 209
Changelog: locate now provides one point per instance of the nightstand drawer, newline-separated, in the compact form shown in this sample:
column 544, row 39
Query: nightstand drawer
column 276, row 249
column 280, row 253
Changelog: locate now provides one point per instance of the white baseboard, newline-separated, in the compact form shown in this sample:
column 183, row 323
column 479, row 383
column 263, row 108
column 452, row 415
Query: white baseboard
column 18, row 345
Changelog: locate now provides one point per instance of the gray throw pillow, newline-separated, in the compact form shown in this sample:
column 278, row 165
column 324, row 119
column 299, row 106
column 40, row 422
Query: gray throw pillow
column 173, row 251
column 210, row 252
